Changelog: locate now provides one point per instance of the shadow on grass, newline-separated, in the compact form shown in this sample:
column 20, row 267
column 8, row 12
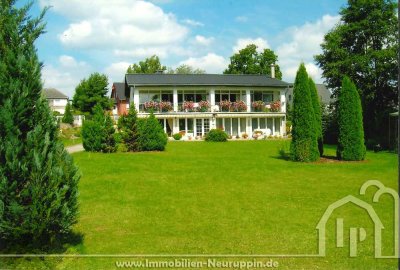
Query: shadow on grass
column 57, row 245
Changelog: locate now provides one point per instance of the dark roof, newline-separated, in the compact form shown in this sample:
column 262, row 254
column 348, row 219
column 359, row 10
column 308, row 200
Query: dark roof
column 202, row 79
column 324, row 93
column 52, row 93
column 120, row 90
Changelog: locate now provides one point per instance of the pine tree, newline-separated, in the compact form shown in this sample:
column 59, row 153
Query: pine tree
column 151, row 135
column 38, row 179
column 98, row 133
column 68, row 118
column 304, row 145
column 317, row 115
column 351, row 133
column 129, row 129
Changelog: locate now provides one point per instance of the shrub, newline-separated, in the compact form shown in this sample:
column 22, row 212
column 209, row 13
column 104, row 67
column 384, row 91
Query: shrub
column 177, row 136
column 304, row 145
column 351, row 133
column 317, row 115
column 128, row 125
column 68, row 118
column 216, row 135
column 151, row 135
column 98, row 133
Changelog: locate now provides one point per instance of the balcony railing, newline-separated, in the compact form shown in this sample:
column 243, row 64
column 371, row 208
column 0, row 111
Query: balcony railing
column 205, row 106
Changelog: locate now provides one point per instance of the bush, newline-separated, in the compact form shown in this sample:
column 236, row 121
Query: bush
column 128, row 126
column 317, row 115
column 216, row 135
column 304, row 146
column 68, row 118
column 351, row 132
column 151, row 135
column 177, row 136
column 98, row 133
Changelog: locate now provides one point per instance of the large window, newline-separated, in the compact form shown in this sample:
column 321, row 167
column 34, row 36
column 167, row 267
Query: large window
column 265, row 96
column 167, row 125
column 271, row 126
column 231, row 95
column 202, row 127
column 186, row 125
column 232, row 126
column 150, row 95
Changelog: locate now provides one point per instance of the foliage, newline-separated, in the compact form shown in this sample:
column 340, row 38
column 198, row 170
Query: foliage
column 68, row 118
column 304, row 145
column 129, row 129
column 149, row 66
column 185, row 69
column 38, row 178
column 216, row 135
column 351, row 133
column 329, row 123
column 98, row 133
column 250, row 61
column 177, row 136
column 317, row 115
column 90, row 92
column 151, row 135
column 364, row 47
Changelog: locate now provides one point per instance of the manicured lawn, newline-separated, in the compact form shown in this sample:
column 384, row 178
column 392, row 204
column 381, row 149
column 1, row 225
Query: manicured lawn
column 69, row 141
column 221, row 198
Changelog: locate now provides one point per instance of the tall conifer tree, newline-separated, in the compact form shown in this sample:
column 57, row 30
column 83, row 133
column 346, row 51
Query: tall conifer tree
column 38, row 179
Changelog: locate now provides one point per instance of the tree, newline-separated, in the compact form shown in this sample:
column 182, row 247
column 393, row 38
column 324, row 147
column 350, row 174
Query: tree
column 68, row 118
column 98, row 133
column 351, row 133
column 364, row 47
column 185, row 69
column 151, row 135
column 317, row 115
column 38, row 179
column 148, row 66
column 129, row 129
column 90, row 92
column 304, row 145
column 249, row 61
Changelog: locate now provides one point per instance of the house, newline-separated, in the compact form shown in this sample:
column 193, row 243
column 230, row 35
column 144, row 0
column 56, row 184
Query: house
column 57, row 100
column 192, row 104
column 325, row 96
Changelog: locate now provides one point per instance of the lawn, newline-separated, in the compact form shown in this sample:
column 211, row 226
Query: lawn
column 220, row 198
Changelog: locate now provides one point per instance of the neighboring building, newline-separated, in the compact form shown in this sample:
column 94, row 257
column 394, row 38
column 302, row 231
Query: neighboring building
column 57, row 100
column 193, row 104
column 121, row 103
column 325, row 96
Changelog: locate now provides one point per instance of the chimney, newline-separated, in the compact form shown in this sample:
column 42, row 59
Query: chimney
column 272, row 70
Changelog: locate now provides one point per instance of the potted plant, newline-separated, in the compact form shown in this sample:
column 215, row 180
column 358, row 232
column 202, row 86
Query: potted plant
column 258, row 105
column 239, row 106
column 151, row 105
column 275, row 106
column 188, row 106
column 204, row 105
column 165, row 106
column 225, row 105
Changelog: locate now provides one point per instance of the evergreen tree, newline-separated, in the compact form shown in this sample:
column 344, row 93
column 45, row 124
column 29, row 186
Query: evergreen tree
column 38, row 179
column 68, row 118
column 98, row 133
column 317, row 115
column 304, row 145
column 351, row 133
column 129, row 129
column 151, row 135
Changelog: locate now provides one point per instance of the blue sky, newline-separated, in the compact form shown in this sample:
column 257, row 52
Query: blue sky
column 106, row 36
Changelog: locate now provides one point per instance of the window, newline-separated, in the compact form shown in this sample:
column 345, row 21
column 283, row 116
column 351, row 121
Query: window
column 267, row 97
column 231, row 95
column 199, row 127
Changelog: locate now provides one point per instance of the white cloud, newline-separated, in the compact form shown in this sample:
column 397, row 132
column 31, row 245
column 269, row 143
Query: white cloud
column 211, row 63
column 241, row 19
column 117, row 24
column 65, row 75
column 192, row 22
column 241, row 43
column 201, row 40
column 303, row 45
column 116, row 71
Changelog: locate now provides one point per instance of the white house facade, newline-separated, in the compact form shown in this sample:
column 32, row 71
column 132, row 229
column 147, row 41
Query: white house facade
column 57, row 100
column 244, row 106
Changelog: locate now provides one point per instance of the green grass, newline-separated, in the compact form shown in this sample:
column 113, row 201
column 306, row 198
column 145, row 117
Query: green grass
column 70, row 141
column 220, row 198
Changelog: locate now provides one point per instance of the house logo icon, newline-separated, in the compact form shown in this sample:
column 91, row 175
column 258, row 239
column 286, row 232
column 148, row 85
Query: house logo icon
column 358, row 235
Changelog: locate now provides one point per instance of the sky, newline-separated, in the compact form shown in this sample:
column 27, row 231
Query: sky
column 107, row 36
